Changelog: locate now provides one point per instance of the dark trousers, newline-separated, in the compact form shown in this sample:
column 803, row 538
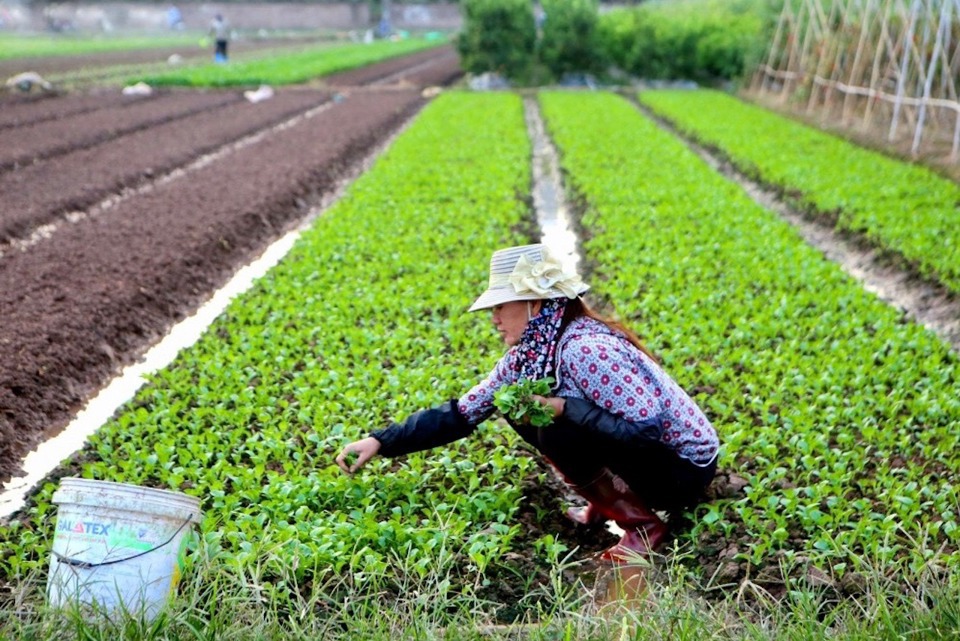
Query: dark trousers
column 221, row 50
column 657, row 474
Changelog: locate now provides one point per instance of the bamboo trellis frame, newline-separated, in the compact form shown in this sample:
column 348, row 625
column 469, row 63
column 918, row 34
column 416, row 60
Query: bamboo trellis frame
column 904, row 54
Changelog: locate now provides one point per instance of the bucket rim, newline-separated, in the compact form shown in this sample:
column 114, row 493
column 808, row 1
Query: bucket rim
column 75, row 491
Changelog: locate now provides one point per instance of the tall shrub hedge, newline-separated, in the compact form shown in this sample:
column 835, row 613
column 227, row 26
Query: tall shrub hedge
column 692, row 39
column 570, row 40
column 498, row 35
column 703, row 40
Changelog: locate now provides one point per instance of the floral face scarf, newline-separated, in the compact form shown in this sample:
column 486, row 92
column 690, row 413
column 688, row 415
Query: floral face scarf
column 538, row 345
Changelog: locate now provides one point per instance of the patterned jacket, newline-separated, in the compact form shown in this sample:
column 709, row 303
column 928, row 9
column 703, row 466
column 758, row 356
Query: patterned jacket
column 609, row 386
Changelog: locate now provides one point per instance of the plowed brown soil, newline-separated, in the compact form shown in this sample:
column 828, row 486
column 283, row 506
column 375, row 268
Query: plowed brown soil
column 37, row 194
column 20, row 110
column 83, row 295
column 441, row 70
column 36, row 141
column 395, row 70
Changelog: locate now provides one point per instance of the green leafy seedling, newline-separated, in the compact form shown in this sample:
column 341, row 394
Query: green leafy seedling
column 516, row 401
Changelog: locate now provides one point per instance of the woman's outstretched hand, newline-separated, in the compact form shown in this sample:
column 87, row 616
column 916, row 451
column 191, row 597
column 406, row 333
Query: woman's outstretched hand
column 365, row 449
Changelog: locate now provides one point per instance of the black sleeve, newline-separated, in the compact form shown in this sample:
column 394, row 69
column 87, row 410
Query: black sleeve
column 423, row 430
column 582, row 412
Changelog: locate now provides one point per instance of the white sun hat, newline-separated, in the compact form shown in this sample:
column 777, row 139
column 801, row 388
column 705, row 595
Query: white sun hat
column 528, row 272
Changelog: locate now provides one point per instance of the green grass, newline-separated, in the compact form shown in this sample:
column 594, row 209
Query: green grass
column 287, row 68
column 13, row 46
column 223, row 601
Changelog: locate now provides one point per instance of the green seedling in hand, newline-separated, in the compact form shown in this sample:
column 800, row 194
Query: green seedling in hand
column 516, row 401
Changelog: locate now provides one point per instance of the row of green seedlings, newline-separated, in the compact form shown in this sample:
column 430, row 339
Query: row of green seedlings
column 32, row 45
column 840, row 415
column 363, row 323
column 288, row 68
column 905, row 209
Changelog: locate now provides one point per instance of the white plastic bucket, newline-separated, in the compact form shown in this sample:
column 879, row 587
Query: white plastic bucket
column 118, row 546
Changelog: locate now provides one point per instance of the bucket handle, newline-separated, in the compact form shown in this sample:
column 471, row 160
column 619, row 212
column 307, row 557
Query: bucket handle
column 87, row 565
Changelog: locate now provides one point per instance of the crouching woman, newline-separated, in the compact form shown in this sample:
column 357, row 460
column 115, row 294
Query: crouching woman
column 624, row 435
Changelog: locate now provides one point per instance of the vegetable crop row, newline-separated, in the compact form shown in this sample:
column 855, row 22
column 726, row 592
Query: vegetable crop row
column 284, row 69
column 841, row 416
column 14, row 46
column 363, row 323
column 903, row 208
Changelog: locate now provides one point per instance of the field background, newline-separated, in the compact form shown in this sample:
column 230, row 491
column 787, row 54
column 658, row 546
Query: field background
column 247, row 17
column 836, row 507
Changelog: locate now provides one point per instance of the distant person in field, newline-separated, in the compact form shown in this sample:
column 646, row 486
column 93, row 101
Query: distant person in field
column 624, row 435
column 174, row 18
column 220, row 32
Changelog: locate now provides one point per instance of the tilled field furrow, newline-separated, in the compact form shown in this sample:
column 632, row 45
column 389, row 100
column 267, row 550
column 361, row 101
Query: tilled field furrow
column 31, row 112
column 441, row 72
column 49, row 66
column 35, row 195
column 373, row 73
column 83, row 303
column 24, row 145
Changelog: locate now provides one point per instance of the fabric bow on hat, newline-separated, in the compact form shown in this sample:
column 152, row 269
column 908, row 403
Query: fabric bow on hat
column 545, row 278
column 528, row 272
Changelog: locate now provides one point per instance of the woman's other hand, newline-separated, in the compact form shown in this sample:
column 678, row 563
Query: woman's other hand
column 555, row 403
column 365, row 449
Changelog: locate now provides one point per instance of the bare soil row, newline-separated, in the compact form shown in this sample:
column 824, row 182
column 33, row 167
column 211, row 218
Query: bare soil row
column 405, row 69
column 87, row 300
column 33, row 142
column 442, row 69
column 39, row 193
column 19, row 111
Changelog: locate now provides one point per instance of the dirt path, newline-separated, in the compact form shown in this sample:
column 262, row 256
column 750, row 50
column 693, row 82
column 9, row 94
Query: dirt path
column 87, row 300
column 391, row 71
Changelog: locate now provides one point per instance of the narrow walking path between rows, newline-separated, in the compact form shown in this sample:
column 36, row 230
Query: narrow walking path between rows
column 609, row 587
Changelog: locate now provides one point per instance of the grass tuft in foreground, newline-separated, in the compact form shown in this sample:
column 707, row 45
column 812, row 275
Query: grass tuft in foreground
column 220, row 600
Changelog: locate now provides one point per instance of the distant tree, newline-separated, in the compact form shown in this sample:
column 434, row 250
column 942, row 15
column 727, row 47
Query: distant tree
column 498, row 35
column 570, row 40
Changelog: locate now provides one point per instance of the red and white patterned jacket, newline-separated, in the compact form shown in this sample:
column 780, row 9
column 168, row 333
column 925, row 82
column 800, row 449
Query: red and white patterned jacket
column 599, row 364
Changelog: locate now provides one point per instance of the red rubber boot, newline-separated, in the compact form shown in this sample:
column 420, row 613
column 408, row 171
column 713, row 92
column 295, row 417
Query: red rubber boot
column 588, row 515
column 644, row 530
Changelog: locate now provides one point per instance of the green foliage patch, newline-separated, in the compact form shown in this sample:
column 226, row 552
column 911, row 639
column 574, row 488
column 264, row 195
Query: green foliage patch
column 841, row 416
column 499, row 36
column 570, row 42
column 13, row 46
column 515, row 402
column 903, row 208
column 704, row 40
column 286, row 69
column 363, row 323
